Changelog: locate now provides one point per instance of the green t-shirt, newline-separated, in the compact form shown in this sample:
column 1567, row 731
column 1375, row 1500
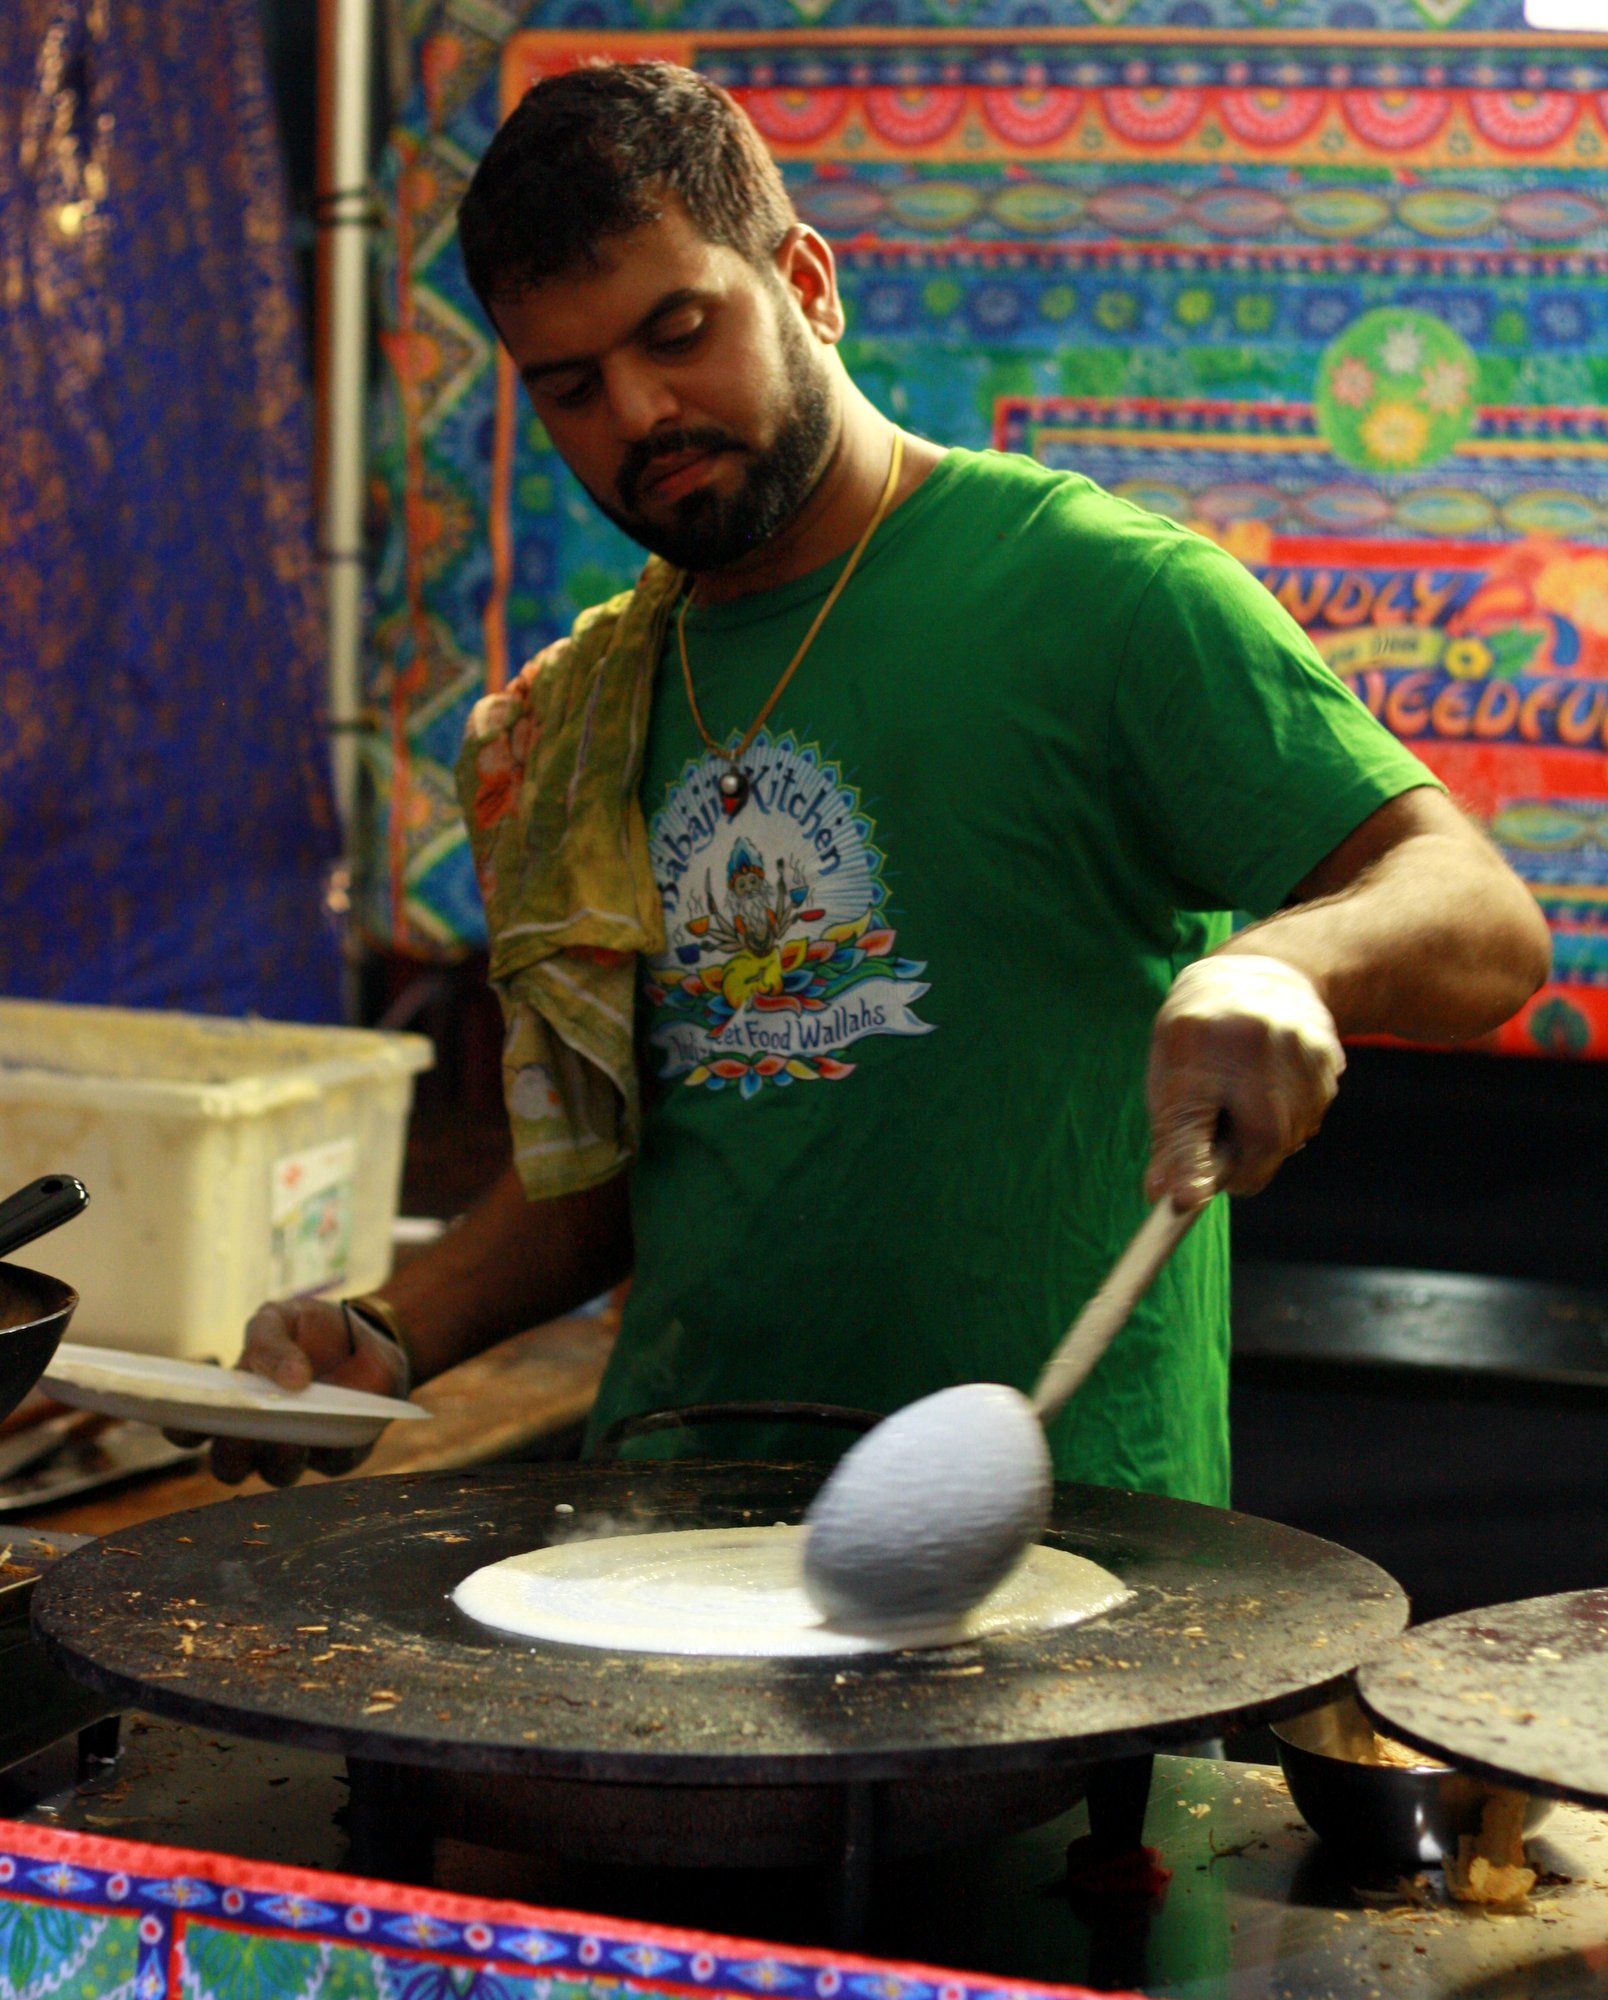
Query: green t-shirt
column 895, row 1130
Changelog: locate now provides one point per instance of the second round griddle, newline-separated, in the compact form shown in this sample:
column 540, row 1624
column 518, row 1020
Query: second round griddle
column 321, row 1616
column 1515, row 1691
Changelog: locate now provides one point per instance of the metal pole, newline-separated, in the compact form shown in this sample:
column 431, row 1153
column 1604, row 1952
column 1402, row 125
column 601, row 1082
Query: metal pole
column 345, row 219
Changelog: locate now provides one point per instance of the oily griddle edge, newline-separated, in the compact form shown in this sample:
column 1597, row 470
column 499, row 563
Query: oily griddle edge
column 321, row 1616
column 1516, row 1692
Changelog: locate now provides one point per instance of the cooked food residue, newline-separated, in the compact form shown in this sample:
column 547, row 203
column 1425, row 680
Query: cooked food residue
column 1490, row 1867
column 1399, row 1756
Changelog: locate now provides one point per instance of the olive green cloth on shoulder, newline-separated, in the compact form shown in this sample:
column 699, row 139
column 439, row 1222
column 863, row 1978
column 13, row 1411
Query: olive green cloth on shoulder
column 548, row 781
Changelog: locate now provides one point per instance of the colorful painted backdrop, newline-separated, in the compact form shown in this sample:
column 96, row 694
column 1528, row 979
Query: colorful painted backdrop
column 1325, row 278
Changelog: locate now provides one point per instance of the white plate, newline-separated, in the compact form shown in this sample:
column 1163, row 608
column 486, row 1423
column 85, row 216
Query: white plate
column 222, row 1402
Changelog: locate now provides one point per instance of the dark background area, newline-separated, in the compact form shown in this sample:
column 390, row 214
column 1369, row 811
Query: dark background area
column 1479, row 1491
column 1449, row 1161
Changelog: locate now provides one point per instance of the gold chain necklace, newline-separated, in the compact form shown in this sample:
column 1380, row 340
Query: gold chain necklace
column 734, row 784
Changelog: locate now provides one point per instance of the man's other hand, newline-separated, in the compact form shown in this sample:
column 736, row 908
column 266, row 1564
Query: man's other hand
column 294, row 1343
column 1244, row 1062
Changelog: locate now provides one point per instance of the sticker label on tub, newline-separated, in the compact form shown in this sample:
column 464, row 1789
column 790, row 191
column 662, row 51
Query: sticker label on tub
column 310, row 1207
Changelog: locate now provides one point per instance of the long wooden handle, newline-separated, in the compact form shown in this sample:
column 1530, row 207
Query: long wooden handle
column 1104, row 1317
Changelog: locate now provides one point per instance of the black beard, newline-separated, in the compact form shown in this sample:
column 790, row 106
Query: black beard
column 707, row 532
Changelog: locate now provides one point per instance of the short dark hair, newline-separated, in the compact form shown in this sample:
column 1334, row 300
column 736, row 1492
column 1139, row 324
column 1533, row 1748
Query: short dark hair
column 593, row 152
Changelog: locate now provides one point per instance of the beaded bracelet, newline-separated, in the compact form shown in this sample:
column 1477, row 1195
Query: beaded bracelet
column 380, row 1317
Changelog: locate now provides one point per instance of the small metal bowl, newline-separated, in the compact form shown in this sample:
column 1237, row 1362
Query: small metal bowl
column 1377, row 1814
column 34, row 1311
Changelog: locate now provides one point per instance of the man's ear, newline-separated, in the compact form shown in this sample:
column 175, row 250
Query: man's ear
column 807, row 269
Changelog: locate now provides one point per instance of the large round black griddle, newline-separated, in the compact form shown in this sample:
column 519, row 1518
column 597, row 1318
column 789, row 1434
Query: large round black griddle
column 1516, row 1692
column 320, row 1616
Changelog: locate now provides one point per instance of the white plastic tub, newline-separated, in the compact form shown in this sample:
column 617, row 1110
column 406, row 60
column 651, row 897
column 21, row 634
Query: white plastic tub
column 227, row 1162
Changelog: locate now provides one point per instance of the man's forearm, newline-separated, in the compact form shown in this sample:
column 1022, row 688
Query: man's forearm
column 1435, row 940
column 509, row 1264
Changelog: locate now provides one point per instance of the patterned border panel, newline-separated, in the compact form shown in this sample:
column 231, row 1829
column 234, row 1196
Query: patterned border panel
column 1241, row 471
column 84, row 1918
column 1332, row 106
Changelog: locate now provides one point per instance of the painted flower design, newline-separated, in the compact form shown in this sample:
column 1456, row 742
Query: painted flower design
column 1323, row 314
column 1395, row 433
column 1352, row 382
column 1467, row 659
column 248, row 1967
column 1559, row 1027
column 1562, row 319
column 1396, row 390
column 62, row 1879
column 1402, row 349
column 41, row 1946
column 298, row 1912
column 1446, row 384
column 766, row 1975
column 996, row 308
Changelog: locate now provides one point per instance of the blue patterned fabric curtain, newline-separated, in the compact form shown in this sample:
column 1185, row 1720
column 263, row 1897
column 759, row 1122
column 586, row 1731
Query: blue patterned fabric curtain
column 166, row 822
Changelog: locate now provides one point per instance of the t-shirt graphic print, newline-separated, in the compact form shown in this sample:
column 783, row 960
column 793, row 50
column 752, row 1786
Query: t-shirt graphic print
column 779, row 955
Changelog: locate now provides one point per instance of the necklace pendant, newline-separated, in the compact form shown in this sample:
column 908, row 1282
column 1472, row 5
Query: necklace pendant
column 734, row 788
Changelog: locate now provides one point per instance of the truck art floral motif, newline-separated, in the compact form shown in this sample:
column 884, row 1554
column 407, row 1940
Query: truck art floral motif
column 1396, row 391
column 87, row 1918
column 779, row 953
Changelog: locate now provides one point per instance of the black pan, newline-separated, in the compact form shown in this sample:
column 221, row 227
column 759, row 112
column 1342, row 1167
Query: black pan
column 321, row 1616
column 34, row 1309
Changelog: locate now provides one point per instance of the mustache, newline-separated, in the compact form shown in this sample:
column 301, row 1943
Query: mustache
column 640, row 458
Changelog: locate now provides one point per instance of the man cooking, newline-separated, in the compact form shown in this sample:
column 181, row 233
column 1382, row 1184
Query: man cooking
column 859, row 884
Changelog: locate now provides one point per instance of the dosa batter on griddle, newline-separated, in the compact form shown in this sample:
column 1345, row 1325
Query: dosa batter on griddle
column 738, row 1591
